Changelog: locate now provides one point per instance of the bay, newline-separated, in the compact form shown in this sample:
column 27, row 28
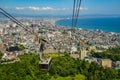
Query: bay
column 104, row 24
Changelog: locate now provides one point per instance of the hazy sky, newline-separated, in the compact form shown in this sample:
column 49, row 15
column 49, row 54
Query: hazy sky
column 60, row 7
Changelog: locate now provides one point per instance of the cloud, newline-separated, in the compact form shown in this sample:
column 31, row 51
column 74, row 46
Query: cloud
column 41, row 8
column 83, row 8
column 62, row 9
column 33, row 8
column 20, row 8
column 47, row 8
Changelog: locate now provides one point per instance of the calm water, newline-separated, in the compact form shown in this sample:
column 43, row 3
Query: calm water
column 105, row 24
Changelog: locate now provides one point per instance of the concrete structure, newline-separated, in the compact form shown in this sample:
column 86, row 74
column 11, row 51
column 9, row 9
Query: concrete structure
column 106, row 63
column 92, row 48
column 91, row 59
column 50, row 49
column 75, row 56
column 83, row 54
column 2, row 47
column 73, row 49
column 117, row 65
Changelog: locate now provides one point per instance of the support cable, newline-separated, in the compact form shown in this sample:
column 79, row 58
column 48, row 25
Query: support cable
column 73, row 13
column 17, row 22
column 76, row 9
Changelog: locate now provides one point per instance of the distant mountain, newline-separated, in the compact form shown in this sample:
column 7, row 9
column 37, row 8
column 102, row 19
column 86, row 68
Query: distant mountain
column 63, row 16
column 38, row 16
column 99, row 15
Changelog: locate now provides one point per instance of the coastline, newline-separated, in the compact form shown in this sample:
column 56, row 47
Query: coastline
column 89, row 29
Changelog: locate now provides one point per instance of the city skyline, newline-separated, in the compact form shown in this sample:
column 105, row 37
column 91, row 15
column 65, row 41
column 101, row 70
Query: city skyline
column 60, row 7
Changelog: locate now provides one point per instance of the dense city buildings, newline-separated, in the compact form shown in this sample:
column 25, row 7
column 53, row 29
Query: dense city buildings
column 79, row 42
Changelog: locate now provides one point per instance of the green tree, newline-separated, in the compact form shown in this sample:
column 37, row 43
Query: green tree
column 0, row 54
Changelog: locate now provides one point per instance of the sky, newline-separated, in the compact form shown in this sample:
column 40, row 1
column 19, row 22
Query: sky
column 60, row 7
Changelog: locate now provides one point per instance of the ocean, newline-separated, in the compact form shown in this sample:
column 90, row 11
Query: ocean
column 104, row 24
